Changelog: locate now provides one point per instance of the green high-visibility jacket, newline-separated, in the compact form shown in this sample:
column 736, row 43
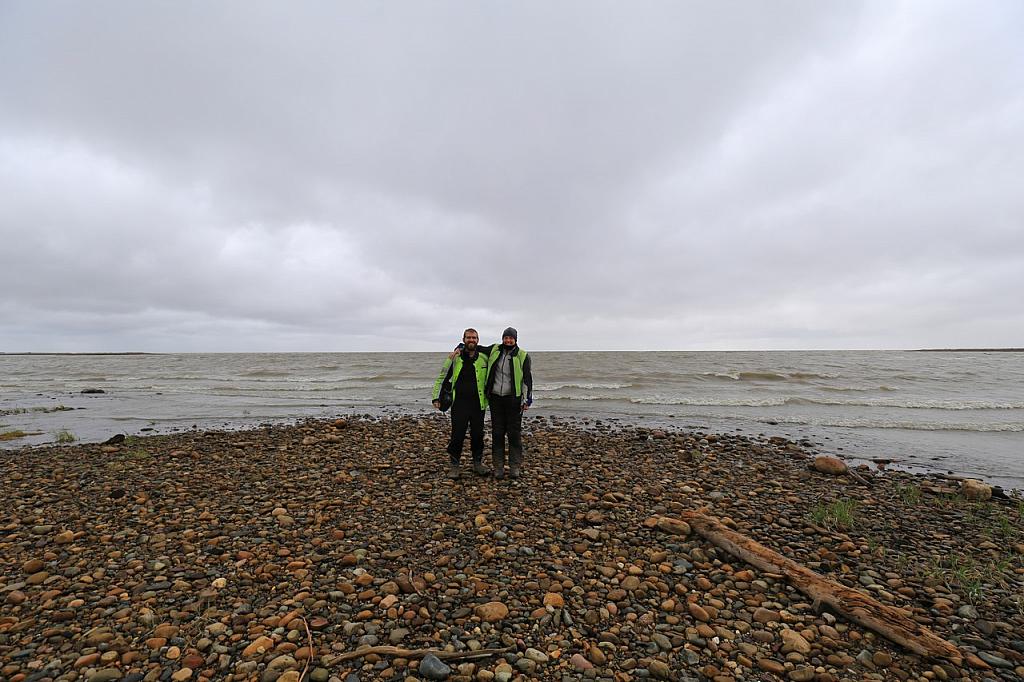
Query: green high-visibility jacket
column 450, row 373
column 521, row 371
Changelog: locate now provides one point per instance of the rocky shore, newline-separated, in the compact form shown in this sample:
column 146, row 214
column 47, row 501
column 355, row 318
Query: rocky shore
column 338, row 550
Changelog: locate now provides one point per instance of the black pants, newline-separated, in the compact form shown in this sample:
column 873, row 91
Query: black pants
column 467, row 414
column 506, row 421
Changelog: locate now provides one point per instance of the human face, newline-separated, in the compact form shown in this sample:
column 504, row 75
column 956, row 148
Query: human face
column 470, row 340
column 508, row 341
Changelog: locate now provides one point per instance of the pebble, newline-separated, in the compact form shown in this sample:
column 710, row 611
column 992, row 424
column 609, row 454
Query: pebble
column 583, row 570
column 433, row 668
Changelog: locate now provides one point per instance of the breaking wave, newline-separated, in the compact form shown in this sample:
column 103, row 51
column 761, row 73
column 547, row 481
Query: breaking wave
column 1008, row 427
column 584, row 386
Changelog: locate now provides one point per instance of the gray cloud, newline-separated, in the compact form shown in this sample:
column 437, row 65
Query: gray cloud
column 602, row 175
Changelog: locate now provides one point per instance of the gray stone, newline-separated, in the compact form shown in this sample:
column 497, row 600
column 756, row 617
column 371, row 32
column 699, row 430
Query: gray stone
column 663, row 642
column 967, row 611
column 433, row 668
column 993, row 660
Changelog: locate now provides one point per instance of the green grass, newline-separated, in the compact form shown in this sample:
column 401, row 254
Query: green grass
column 836, row 514
column 962, row 573
column 16, row 434
column 1003, row 526
column 65, row 436
column 965, row 573
column 911, row 494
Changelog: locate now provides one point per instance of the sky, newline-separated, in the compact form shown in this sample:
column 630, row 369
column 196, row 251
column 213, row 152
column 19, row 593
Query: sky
column 366, row 176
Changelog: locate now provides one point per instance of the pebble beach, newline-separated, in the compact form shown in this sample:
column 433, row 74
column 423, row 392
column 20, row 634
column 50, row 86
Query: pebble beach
column 338, row 550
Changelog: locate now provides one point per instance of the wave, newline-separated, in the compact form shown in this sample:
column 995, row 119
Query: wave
column 711, row 402
column 893, row 424
column 414, row 387
column 797, row 377
column 549, row 398
column 264, row 373
column 585, row 386
column 910, row 404
column 858, row 389
column 954, row 405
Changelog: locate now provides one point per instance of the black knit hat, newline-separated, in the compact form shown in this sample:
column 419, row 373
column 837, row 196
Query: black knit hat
column 511, row 331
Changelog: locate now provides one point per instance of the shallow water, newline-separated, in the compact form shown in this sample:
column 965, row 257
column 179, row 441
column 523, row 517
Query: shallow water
column 959, row 412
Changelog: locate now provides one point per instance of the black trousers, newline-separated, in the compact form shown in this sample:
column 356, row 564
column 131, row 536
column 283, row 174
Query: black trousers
column 466, row 414
column 506, row 422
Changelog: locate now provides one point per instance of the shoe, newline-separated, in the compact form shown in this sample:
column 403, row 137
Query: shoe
column 454, row 472
column 499, row 474
column 479, row 469
column 515, row 472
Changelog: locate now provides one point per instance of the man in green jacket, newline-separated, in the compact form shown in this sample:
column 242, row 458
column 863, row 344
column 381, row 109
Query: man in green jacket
column 509, row 391
column 466, row 374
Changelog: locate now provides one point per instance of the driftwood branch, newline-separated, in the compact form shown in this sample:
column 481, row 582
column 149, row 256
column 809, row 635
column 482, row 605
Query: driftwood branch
column 890, row 622
column 860, row 479
column 417, row 653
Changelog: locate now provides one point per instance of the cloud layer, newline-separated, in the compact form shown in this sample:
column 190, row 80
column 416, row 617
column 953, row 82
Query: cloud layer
column 601, row 175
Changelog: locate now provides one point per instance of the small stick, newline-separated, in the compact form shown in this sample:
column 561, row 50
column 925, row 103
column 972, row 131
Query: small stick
column 416, row 653
column 311, row 652
column 860, row 479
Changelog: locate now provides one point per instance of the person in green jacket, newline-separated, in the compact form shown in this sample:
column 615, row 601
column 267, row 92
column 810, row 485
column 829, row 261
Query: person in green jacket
column 509, row 392
column 465, row 374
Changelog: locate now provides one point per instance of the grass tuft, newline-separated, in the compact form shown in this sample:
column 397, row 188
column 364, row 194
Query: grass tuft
column 65, row 436
column 911, row 494
column 836, row 514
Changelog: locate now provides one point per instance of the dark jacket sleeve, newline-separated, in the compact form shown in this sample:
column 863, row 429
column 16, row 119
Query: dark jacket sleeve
column 444, row 379
column 528, row 378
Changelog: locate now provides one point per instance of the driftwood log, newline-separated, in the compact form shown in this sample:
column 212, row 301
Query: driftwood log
column 417, row 653
column 890, row 622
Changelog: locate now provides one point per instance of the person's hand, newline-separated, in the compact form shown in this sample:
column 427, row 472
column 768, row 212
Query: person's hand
column 526, row 406
column 451, row 356
column 437, row 404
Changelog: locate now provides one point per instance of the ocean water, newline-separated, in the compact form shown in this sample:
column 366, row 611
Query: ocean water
column 955, row 412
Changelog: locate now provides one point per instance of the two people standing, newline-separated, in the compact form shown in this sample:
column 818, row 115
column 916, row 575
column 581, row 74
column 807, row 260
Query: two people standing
column 478, row 376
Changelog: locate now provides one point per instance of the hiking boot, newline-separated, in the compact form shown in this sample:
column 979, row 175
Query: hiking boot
column 499, row 473
column 515, row 472
column 479, row 469
column 454, row 472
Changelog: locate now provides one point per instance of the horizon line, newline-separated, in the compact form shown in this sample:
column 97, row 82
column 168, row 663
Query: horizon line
column 558, row 350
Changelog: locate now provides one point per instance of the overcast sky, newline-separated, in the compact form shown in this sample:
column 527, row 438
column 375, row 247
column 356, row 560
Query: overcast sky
column 265, row 176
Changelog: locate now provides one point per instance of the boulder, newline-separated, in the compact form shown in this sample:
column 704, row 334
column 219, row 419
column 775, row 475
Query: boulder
column 973, row 489
column 830, row 465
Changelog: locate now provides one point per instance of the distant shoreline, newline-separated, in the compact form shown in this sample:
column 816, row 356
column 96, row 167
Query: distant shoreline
column 809, row 350
column 970, row 350
column 121, row 353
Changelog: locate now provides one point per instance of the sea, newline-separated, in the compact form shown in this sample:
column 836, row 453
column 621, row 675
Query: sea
column 950, row 412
